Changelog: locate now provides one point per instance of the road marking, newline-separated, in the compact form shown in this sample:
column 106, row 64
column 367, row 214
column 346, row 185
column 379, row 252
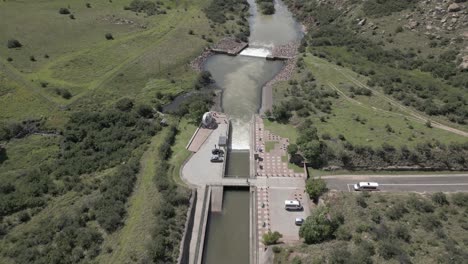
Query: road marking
column 343, row 176
column 422, row 184
column 415, row 184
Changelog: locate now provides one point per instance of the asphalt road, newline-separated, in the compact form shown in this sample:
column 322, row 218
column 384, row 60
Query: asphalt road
column 402, row 183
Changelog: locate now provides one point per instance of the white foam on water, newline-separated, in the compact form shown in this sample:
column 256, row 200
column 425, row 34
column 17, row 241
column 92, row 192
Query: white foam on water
column 256, row 52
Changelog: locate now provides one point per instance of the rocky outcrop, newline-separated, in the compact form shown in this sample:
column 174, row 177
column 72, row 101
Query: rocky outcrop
column 454, row 7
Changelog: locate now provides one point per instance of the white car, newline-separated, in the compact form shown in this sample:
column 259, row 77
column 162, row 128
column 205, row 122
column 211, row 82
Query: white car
column 366, row 186
column 299, row 221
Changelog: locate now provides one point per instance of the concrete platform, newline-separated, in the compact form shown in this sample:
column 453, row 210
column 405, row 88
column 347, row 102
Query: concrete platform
column 217, row 199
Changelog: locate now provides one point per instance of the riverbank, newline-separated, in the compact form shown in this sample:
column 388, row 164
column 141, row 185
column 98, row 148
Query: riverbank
column 289, row 50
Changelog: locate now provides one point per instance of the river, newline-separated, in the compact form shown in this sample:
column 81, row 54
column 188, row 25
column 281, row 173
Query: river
column 242, row 78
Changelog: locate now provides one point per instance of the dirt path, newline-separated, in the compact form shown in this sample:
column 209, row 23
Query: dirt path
column 413, row 113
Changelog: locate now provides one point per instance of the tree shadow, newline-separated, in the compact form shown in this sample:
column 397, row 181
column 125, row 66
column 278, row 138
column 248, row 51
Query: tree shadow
column 3, row 155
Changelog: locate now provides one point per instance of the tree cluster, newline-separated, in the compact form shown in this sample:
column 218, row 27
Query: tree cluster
column 320, row 226
column 171, row 215
column 146, row 6
column 267, row 7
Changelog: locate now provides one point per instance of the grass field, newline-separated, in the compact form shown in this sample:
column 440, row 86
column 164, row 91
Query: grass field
column 282, row 130
column 365, row 120
column 147, row 60
column 146, row 50
column 270, row 145
column 179, row 152
column 426, row 232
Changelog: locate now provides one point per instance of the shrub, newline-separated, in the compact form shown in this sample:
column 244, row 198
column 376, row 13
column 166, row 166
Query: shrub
column 440, row 198
column 420, row 204
column 72, row 16
column 64, row 11
column 32, row 58
column 24, row 216
column 388, row 249
column 460, row 199
column 271, row 238
column 429, row 222
column 361, row 201
column 315, row 187
column 402, row 232
column 396, row 211
column 124, row 104
column 340, row 255
column 343, row 233
column 66, row 94
column 109, row 36
column 375, row 216
column 145, row 111
column 88, row 5
column 9, row 59
column 276, row 249
column 13, row 43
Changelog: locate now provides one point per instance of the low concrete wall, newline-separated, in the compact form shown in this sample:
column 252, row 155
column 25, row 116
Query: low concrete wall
column 184, row 252
column 253, row 226
column 203, row 222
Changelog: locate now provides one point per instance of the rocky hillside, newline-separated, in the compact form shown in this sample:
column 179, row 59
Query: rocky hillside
column 429, row 26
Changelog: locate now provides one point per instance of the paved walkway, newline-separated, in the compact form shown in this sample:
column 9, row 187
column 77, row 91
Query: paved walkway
column 270, row 163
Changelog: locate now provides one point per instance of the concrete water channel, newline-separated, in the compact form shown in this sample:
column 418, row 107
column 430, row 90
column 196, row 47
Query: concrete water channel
column 225, row 218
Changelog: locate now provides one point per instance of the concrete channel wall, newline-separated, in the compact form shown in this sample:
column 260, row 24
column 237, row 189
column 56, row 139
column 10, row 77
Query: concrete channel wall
column 187, row 237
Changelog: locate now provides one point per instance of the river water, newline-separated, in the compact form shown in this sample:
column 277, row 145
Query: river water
column 242, row 78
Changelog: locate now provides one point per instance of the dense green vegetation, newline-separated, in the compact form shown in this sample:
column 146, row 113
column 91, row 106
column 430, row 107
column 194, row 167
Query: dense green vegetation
column 383, row 228
column 267, row 7
column 92, row 142
column 394, row 68
column 169, row 225
column 343, row 115
column 221, row 11
column 78, row 114
column 382, row 8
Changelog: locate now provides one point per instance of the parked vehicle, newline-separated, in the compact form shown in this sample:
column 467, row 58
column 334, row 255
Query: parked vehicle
column 299, row 221
column 217, row 151
column 366, row 186
column 292, row 205
column 216, row 158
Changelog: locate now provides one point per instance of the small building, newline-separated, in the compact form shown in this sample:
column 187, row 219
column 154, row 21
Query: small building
column 223, row 141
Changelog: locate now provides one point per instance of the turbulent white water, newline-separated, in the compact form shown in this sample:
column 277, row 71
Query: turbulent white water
column 256, row 52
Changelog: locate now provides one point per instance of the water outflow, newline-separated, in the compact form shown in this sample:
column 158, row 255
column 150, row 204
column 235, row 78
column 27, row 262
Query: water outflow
column 256, row 52
column 241, row 78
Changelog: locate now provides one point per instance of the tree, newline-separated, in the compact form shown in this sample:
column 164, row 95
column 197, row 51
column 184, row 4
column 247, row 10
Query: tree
column 292, row 149
column 280, row 113
column 312, row 151
column 316, row 187
column 271, row 238
column 13, row 43
column 319, row 227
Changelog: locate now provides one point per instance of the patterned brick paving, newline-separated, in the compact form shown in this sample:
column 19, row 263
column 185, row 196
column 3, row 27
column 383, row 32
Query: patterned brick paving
column 270, row 163
column 263, row 213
